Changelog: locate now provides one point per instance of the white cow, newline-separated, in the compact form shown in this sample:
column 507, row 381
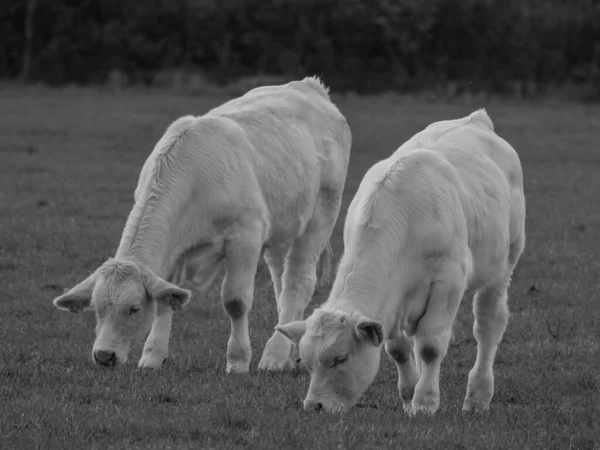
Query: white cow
column 260, row 174
column 444, row 214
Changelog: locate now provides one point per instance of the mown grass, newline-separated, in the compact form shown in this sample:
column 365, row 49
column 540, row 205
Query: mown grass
column 69, row 162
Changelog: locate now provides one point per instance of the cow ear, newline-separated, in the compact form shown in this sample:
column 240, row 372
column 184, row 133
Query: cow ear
column 166, row 293
column 79, row 298
column 370, row 332
column 293, row 330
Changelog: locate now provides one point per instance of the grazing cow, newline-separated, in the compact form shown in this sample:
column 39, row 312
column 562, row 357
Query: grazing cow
column 444, row 214
column 260, row 174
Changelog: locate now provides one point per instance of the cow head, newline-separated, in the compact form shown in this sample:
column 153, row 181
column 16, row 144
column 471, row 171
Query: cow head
column 125, row 296
column 342, row 354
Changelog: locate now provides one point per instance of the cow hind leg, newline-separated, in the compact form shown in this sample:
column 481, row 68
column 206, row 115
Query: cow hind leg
column 400, row 350
column 275, row 259
column 490, row 308
column 432, row 338
column 241, row 258
column 299, row 281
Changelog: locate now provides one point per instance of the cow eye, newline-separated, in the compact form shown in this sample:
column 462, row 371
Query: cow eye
column 133, row 310
column 339, row 360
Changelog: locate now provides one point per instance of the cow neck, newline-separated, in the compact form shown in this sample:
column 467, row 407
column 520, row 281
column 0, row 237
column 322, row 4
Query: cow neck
column 148, row 240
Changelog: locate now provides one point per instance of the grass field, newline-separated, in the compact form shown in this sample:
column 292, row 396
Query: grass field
column 69, row 162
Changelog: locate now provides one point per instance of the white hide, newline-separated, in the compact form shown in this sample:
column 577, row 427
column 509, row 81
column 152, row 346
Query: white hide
column 262, row 174
column 442, row 215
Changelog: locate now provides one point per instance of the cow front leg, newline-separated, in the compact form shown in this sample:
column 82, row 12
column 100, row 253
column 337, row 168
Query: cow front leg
column 490, row 307
column 432, row 351
column 401, row 351
column 433, row 336
column 197, row 272
column 241, row 258
column 156, row 347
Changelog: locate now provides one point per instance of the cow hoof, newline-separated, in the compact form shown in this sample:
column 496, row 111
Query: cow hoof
column 151, row 362
column 423, row 410
column 238, row 367
column 275, row 365
column 480, row 391
column 471, row 405
column 427, row 405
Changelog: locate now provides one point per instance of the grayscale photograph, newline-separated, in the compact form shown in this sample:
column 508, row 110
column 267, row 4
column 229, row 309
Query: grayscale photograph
column 300, row 224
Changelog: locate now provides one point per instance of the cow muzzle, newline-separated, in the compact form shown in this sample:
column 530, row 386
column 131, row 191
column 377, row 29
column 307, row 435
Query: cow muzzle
column 109, row 357
column 104, row 357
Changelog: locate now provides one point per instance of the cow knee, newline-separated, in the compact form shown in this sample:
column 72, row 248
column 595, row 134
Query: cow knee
column 399, row 354
column 432, row 350
column 235, row 308
column 429, row 353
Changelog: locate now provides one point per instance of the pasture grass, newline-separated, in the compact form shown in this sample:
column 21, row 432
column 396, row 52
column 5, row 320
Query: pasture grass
column 69, row 162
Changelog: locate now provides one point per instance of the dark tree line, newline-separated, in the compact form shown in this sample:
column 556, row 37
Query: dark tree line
column 356, row 44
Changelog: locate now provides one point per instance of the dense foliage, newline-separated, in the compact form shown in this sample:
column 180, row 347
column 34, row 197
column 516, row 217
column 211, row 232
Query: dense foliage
column 358, row 44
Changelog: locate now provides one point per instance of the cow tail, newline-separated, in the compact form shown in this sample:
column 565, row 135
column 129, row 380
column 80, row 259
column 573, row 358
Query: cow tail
column 324, row 267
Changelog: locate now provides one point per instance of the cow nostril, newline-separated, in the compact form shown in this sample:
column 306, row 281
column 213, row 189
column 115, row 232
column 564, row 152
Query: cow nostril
column 319, row 407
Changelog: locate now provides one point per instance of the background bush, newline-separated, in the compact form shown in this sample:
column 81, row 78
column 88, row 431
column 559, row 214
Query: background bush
column 364, row 45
